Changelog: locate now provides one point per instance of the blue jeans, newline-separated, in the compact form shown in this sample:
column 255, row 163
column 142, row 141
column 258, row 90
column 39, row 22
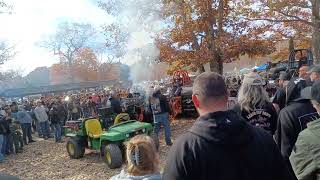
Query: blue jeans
column 45, row 131
column 57, row 132
column 1, row 142
column 163, row 119
column 4, row 144
column 26, row 130
column 38, row 128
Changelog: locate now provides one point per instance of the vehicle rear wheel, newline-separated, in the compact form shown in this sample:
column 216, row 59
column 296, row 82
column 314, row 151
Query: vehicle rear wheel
column 75, row 149
column 113, row 156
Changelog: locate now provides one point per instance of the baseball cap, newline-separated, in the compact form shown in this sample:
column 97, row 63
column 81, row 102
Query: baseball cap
column 315, row 69
column 315, row 91
column 253, row 79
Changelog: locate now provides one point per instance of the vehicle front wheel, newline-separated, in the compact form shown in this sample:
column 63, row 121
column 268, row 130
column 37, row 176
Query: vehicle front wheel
column 113, row 156
column 75, row 149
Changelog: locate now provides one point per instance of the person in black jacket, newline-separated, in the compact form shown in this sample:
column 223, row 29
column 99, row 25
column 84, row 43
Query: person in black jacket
column 254, row 104
column 279, row 99
column 115, row 103
column 58, row 116
column 293, row 118
column 4, row 131
column 160, row 110
column 221, row 145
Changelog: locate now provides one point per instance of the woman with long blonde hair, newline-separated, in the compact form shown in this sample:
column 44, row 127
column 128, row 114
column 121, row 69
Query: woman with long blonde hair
column 254, row 104
column 142, row 160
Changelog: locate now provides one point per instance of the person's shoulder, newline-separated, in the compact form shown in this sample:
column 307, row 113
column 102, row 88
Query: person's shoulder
column 305, row 136
column 186, row 141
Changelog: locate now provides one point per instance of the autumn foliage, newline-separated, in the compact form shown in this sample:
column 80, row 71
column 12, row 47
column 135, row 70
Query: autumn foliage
column 209, row 31
column 86, row 68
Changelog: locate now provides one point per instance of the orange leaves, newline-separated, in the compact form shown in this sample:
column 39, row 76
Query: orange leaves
column 204, row 32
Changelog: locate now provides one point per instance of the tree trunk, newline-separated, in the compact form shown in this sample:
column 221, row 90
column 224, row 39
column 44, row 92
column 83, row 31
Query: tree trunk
column 216, row 65
column 71, row 74
column 291, row 44
column 201, row 69
column 316, row 30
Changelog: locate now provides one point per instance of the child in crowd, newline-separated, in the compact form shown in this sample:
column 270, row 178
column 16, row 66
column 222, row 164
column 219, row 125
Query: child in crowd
column 142, row 160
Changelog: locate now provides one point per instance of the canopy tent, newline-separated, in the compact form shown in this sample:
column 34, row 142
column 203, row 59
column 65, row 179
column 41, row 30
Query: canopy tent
column 262, row 67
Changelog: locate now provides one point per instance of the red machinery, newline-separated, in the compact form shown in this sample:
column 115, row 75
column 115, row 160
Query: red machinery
column 182, row 75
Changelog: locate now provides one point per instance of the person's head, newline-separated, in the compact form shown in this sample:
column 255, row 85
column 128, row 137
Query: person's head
column 282, row 79
column 315, row 95
column 21, row 108
column 210, row 93
column 113, row 94
column 7, row 109
column 39, row 103
column 252, row 92
column 156, row 91
column 303, row 72
column 142, row 156
column 315, row 73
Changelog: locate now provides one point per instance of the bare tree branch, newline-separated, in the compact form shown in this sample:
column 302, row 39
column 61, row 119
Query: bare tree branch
column 7, row 52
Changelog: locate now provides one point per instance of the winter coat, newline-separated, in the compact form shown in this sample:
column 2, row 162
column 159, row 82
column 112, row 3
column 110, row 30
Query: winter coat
column 264, row 117
column 41, row 114
column 115, row 105
column 305, row 157
column 4, row 126
column 24, row 117
column 158, row 103
column 292, row 120
column 280, row 98
column 223, row 146
column 125, row 176
column 58, row 114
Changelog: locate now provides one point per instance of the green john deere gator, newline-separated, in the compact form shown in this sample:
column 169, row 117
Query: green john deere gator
column 89, row 134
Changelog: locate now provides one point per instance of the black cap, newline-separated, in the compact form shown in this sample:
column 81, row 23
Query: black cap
column 315, row 91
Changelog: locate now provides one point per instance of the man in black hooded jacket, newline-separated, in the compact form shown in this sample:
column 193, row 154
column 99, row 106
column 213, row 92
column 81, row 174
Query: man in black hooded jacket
column 293, row 118
column 221, row 145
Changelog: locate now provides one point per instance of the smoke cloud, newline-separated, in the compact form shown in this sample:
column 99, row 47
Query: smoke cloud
column 142, row 21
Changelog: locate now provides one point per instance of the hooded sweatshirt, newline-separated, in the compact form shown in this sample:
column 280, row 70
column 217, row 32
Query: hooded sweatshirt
column 222, row 146
column 293, row 119
column 125, row 176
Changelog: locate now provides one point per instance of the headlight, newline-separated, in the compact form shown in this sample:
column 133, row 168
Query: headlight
column 143, row 130
column 127, row 135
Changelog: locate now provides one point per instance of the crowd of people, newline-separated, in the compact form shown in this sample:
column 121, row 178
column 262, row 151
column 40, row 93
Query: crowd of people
column 260, row 137
column 45, row 117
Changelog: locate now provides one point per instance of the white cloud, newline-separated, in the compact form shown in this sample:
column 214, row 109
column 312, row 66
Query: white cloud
column 34, row 19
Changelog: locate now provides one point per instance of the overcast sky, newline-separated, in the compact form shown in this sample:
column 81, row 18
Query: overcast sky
column 33, row 20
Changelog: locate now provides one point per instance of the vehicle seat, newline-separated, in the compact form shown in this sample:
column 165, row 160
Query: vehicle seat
column 93, row 128
column 122, row 117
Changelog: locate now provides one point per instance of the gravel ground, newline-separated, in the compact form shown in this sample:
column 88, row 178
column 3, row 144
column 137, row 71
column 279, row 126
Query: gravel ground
column 45, row 159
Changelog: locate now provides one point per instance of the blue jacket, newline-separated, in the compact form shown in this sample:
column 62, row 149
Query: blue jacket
column 24, row 117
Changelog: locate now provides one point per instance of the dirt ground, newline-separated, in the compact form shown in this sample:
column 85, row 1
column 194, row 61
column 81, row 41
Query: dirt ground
column 45, row 159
